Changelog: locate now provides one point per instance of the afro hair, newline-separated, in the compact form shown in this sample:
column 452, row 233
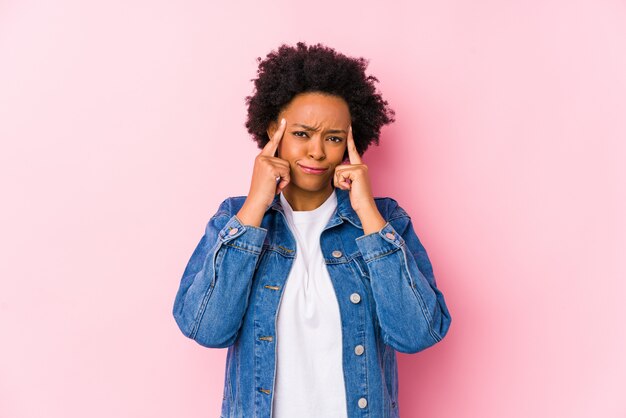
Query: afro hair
column 289, row 71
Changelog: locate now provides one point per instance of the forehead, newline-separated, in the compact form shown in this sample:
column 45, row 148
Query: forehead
column 317, row 109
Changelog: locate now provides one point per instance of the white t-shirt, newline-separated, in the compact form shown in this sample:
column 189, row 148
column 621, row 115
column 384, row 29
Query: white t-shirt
column 309, row 371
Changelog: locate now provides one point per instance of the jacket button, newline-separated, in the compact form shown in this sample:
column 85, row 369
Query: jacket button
column 355, row 298
column 336, row 253
column 362, row 403
column 358, row 350
column 233, row 231
column 390, row 235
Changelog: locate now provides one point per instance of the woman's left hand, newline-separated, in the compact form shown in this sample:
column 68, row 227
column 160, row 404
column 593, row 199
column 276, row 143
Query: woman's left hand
column 355, row 178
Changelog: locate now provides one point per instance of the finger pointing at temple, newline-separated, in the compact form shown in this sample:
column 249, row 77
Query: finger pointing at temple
column 272, row 145
column 353, row 154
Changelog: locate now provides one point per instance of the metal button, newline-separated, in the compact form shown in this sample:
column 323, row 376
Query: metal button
column 336, row 253
column 390, row 235
column 233, row 231
column 359, row 349
column 355, row 298
column 362, row 403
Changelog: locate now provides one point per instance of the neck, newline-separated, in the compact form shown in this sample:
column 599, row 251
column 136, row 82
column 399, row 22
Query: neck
column 301, row 200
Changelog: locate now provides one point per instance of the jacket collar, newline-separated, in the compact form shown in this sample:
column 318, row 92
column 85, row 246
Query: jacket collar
column 343, row 212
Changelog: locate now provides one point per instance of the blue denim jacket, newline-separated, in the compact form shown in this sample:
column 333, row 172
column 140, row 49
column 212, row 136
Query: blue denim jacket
column 231, row 289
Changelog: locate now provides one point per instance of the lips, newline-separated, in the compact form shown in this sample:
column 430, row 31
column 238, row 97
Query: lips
column 313, row 170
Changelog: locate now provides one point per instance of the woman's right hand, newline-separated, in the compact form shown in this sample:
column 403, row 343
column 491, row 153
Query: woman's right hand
column 264, row 185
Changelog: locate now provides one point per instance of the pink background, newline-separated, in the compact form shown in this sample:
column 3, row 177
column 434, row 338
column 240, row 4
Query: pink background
column 122, row 129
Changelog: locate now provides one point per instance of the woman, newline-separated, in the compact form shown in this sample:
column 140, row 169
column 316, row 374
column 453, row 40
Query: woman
column 311, row 282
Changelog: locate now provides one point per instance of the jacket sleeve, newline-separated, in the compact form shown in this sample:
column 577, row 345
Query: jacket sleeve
column 411, row 310
column 213, row 294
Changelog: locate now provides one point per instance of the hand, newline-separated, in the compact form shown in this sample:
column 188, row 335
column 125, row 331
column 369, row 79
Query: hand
column 355, row 178
column 264, row 186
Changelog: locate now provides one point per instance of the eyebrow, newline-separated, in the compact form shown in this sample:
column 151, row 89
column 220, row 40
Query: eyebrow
column 310, row 128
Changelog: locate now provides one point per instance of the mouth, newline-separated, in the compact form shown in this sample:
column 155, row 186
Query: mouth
column 312, row 170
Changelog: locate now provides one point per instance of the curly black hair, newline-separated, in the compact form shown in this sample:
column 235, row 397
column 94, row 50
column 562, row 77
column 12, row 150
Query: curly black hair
column 317, row 68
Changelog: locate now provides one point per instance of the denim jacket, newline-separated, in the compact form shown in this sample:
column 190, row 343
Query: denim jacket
column 230, row 293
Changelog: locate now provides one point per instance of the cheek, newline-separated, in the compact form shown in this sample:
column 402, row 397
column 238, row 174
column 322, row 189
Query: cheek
column 340, row 154
column 292, row 149
column 285, row 150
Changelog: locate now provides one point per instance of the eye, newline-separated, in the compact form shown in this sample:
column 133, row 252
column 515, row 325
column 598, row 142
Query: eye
column 336, row 139
column 298, row 134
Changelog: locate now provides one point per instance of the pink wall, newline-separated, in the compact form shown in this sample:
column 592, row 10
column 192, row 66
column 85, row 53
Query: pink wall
column 119, row 119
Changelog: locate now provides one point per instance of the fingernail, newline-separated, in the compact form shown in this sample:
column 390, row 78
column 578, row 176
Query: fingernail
column 282, row 121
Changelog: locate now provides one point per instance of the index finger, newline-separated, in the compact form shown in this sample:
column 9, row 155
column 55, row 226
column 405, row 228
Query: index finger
column 353, row 154
column 270, row 148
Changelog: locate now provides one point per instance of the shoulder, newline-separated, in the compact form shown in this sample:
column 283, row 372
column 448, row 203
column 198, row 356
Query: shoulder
column 230, row 206
column 389, row 208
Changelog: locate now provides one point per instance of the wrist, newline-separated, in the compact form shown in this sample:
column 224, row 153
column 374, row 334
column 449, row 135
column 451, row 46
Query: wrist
column 251, row 213
column 371, row 219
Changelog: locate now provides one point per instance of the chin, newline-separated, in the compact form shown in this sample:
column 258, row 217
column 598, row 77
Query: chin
column 311, row 186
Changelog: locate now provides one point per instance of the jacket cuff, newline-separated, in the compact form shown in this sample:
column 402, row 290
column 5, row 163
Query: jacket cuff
column 378, row 244
column 247, row 237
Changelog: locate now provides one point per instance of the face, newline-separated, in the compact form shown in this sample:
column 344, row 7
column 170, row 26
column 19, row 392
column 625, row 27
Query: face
column 314, row 142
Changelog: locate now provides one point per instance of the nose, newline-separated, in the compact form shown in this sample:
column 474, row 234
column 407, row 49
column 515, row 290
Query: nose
column 316, row 148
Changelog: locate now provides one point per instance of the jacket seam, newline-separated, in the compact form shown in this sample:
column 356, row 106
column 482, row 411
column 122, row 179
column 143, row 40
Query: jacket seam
column 379, row 256
column 207, row 295
column 255, row 252
column 420, row 299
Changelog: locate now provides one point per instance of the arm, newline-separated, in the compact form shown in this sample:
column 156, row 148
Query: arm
column 411, row 310
column 213, row 294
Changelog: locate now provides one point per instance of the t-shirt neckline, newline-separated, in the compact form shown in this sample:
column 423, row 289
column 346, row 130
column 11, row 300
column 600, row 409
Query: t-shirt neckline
column 308, row 215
